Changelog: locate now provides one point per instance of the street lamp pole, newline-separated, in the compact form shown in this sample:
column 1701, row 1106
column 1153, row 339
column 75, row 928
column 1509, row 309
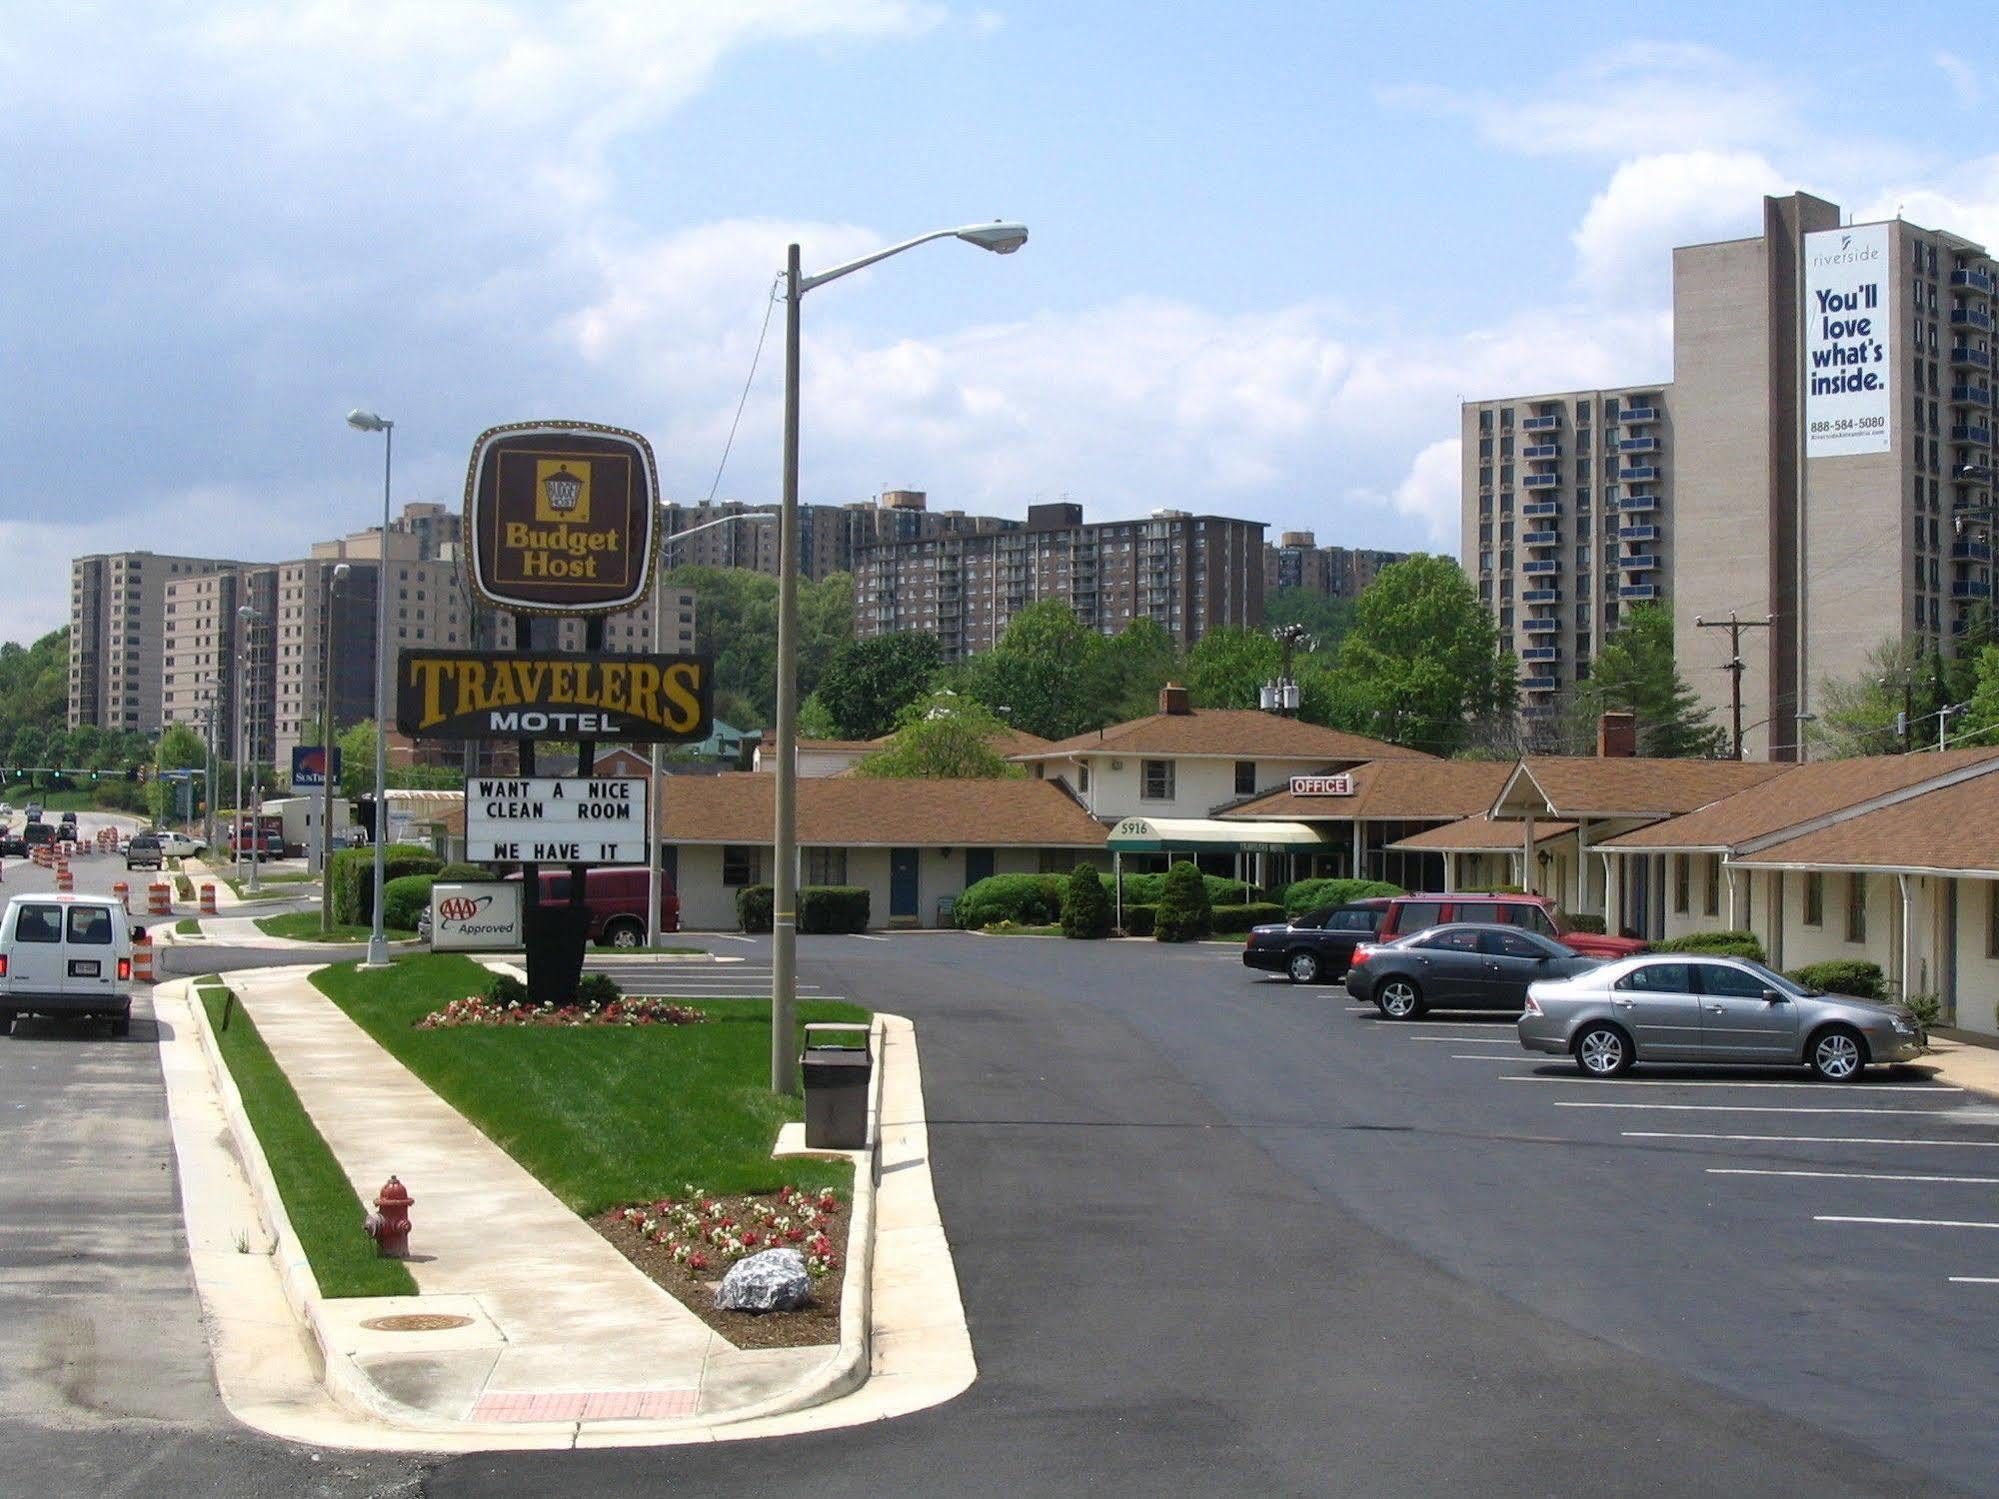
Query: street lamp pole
column 1003, row 239
column 333, row 582
column 378, row 941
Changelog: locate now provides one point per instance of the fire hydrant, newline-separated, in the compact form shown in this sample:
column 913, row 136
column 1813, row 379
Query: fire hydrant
column 389, row 1224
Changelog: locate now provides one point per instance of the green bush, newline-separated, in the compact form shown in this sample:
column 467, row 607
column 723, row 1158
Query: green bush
column 1023, row 899
column 1086, row 909
column 1147, row 889
column 1844, row 976
column 1578, row 921
column 505, row 989
column 595, row 990
column 1185, row 914
column 1727, row 944
column 1494, row 890
column 1926, row 1007
column 459, row 873
column 753, row 908
column 832, row 908
column 1138, row 920
column 1230, row 921
column 406, row 898
column 1311, row 895
column 354, row 878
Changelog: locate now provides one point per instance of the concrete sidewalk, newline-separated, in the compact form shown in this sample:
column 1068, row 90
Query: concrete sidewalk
column 1965, row 1064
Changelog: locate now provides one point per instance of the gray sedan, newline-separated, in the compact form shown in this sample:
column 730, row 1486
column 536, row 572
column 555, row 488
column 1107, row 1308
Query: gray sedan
column 1692, row 1008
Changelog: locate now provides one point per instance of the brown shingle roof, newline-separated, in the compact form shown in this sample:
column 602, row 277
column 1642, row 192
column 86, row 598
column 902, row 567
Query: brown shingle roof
column 1480, row 834
column 1586, row 786
column 1955, row 829
column 844, row 812
column 1800, row 794
column 1241, row 733
column 1399, row 790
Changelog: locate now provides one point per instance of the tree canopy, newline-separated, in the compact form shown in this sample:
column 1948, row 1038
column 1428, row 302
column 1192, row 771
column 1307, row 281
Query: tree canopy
column 735, row 622
column 1634, row 673
column 943, row 735
column 867, row 683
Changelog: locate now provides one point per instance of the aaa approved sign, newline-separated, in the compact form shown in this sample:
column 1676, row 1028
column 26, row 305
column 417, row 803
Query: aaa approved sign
column 555, row 820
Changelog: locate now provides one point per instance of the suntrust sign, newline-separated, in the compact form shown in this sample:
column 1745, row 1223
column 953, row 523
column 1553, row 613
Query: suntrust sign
column 559, row 517
column 1849, row 399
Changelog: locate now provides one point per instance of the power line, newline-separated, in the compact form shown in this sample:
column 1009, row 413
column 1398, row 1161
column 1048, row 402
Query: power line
column 1735, row 666
column 770, row 305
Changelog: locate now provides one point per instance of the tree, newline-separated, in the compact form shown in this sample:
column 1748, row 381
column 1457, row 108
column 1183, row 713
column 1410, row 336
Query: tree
column 1422, row 660
column 867, row 683
column 735, row 622
column 179, row 748
column 1227, row 667
column 1131, row 667
column 1042, row 670
column 1184, row 913
column 1634, row 673
column 1327, row 616
column 1086, row 909
column 943, row 736
column 1856, row 715
column 357, row 767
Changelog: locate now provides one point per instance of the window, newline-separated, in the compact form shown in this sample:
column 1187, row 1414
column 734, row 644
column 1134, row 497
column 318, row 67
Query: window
column 1157, row 783
column 1856, row 908
column 1659, row 978
column 1682, row 870
column 1082, row 775
column 739, row 866
column 1815, row 900
column 38, row 924
column 1370, row 920
column 1461, row 940
column 1417, row 914
column 1501, row 943
column 90, row 926
column 1059, row 860
column 1245, row 777
column 1711, row 895
column 1731, row 983
column 1992, row 920
column 825, row 866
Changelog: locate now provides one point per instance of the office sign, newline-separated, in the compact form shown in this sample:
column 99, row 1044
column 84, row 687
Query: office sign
column 309, row 764
column 1339, row 785
column 560, row 517
column 1849, row 395
column 483, row 916
column 555, row 820
column 554, row 695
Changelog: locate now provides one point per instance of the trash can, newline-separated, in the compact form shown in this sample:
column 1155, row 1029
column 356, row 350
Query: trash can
column 836, row 1086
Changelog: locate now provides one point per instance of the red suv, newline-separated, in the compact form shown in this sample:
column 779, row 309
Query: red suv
column 617, row 902
column 1412, row 913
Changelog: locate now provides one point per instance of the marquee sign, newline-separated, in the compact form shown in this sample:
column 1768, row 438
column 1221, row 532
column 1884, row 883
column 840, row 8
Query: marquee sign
column 1339, row 785
column 555, row 820
column 554, row 695
column 560, row 516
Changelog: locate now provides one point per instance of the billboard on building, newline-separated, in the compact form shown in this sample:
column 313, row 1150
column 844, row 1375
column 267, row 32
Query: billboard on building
column 1849, row 399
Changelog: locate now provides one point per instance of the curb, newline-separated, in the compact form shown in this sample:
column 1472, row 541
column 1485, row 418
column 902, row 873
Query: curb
column 355, row 1392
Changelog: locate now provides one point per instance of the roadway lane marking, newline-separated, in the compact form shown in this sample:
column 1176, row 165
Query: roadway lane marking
column 864, row 937
column 1975, row 1280
column 1856, row 1176
column 1469, row 1040
column 1749, row 1108
column 1686, row 1134
column 1903, row 1222
column 1489, row 1056
column 1662, row 1082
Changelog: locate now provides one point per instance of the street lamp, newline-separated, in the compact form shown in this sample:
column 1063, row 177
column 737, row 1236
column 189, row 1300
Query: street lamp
column 378, row 941
column 247, row 660
column 1002, row 238
column 656, row 855
column 339, row 576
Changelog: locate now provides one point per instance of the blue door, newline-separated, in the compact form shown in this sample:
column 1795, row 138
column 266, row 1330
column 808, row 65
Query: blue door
column 902, row 882
column 978, row 865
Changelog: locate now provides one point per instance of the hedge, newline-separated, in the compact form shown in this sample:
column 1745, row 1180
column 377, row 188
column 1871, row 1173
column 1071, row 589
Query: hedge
column 1024, row 899
column 1086, row 909
column 405, row 899
column 457, row 873
column 1579, row 921
column 1185, row 912
column 1310, row 895
column 1229, row 921
column 1138, row 920
column 354, row 878
column 753, row 908
column 1727, row 944
column 1844, row 976
column 1146, row 889
column 832, row 908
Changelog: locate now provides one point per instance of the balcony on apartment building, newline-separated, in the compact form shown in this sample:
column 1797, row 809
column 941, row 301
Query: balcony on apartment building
column 1542, row 625
column 1640, row 562
column 1541, row 653
column 1637, row 503
column 1551, row 423
column 1640, row 475
column 1970, row 317
column 1541, row 481
column 1976, row 436
column 1972, row 280
column 1541, row 450
column 1638, row 591
column 1967, row 588
column 1541, row 596
column 1970, row 395
column 1542, row 565
column 1638, row 444
column 1541, row 508
column 1637, row 533
column 1632, row 416
column 1971, row 551
column 1539, row 684
column 1541, row 538
column 1963, row 356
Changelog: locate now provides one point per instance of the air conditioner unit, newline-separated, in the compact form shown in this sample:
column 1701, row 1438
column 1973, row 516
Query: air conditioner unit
column 1117, row 765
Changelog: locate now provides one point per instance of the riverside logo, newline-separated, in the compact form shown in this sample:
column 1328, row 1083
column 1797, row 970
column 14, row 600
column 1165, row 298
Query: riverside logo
column 554, row 695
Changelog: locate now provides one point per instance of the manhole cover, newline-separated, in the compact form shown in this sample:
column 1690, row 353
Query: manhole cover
column 416, row 1322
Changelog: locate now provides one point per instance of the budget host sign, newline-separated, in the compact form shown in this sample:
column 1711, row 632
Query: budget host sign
column 554, row 695
column 559, row 517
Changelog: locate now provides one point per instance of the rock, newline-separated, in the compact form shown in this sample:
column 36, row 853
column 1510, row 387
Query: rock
column 771, row 1281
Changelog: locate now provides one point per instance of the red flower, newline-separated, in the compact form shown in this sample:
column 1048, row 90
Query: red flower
column 751, row 1240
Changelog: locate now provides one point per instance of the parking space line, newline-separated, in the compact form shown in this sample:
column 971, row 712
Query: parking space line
column 1719, row 1082
column 1493, row 1056
column 1903, row 1222
column 1688, row 1134
column 1857, row 1176
column 1975, row 1280
column 1749, row 1108
column 1469, row 1040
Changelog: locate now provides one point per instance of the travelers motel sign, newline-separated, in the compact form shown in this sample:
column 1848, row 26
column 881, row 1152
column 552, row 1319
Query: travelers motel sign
column 447, row 694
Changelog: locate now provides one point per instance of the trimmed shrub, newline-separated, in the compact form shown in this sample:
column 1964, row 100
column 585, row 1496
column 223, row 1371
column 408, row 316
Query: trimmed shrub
column 1023, row 899
column 1138, row 920
column 1147, row 889
column 1844, row 976
column 1311, row 895
column 354, row 877
column 1185, row 914
column 595, row 990
column 1727, row 944
column 1232, row 921
column 1494, row 890
column 832, row 908
column 753, row 908
column 1086, row 910
column 1579, row 921
column 405, row 899
column 456, row 873
column 505, row 989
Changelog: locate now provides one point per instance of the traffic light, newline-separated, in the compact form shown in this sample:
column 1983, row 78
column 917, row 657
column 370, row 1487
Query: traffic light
column 132, row 775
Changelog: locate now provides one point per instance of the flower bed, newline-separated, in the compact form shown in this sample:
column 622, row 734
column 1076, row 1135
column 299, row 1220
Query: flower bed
column 634, row 1009
column 686, row 1243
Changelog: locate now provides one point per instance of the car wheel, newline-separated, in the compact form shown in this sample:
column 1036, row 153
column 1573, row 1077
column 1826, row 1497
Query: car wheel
column 1399, row 999
column 1303, row 967
column 1603, row 1051
column 1837, row 1055
column 624, row 934
column 121, row 1025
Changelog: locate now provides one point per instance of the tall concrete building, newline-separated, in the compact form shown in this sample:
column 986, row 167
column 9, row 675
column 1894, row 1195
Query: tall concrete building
column 1298, row 561
column 1566, row 522
column 115, row 639
column 1190, row 573
column 830, row 537
column 212, row 656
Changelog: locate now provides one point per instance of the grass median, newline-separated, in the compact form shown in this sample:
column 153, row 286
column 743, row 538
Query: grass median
column 602, row 1115
column 303, row 926
column 318, row 1198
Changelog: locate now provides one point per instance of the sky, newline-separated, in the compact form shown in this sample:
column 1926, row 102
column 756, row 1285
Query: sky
column 1273, row 245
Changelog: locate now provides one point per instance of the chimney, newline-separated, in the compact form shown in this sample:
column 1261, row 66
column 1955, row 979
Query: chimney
column 1173, row 700
column 1617, row 736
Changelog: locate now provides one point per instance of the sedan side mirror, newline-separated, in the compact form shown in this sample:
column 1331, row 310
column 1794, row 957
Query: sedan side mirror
column 1774, row 996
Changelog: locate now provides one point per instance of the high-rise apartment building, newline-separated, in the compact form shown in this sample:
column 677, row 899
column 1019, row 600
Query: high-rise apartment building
column 1190, row 573
column 216, row 663
column 115, row 603
column 1298, row 561
column 830, row 537
column 1566, row 522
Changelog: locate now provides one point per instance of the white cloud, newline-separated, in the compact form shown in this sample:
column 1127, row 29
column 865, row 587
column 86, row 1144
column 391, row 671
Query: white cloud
column 1624, row 244
column 1964, row 200
column 1430, row 491
column 1964, row 80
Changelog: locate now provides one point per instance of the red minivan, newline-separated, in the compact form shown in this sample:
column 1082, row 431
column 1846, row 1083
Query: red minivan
column 617, row 901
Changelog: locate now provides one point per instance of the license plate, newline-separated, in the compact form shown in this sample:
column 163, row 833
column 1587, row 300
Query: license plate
column 85, row 968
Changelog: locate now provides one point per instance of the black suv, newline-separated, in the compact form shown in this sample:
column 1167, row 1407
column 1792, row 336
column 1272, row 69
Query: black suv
column 1317, row 946
column 144, row 852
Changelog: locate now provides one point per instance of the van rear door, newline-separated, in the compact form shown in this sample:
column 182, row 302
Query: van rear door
column 34, row 957
column 89, row 953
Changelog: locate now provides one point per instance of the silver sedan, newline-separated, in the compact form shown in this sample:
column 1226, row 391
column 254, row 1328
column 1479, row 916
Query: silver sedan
column 1686, row 1007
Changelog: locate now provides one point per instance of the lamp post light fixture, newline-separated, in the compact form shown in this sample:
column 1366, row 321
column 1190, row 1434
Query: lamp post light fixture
column 1002, row 238
column 378, row 941
column 333, row 582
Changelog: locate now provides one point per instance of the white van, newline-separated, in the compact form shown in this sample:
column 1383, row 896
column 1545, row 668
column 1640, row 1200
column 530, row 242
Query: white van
column 66, row 955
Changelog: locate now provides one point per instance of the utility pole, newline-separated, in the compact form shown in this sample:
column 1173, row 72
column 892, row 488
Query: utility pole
column 1734, row 666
